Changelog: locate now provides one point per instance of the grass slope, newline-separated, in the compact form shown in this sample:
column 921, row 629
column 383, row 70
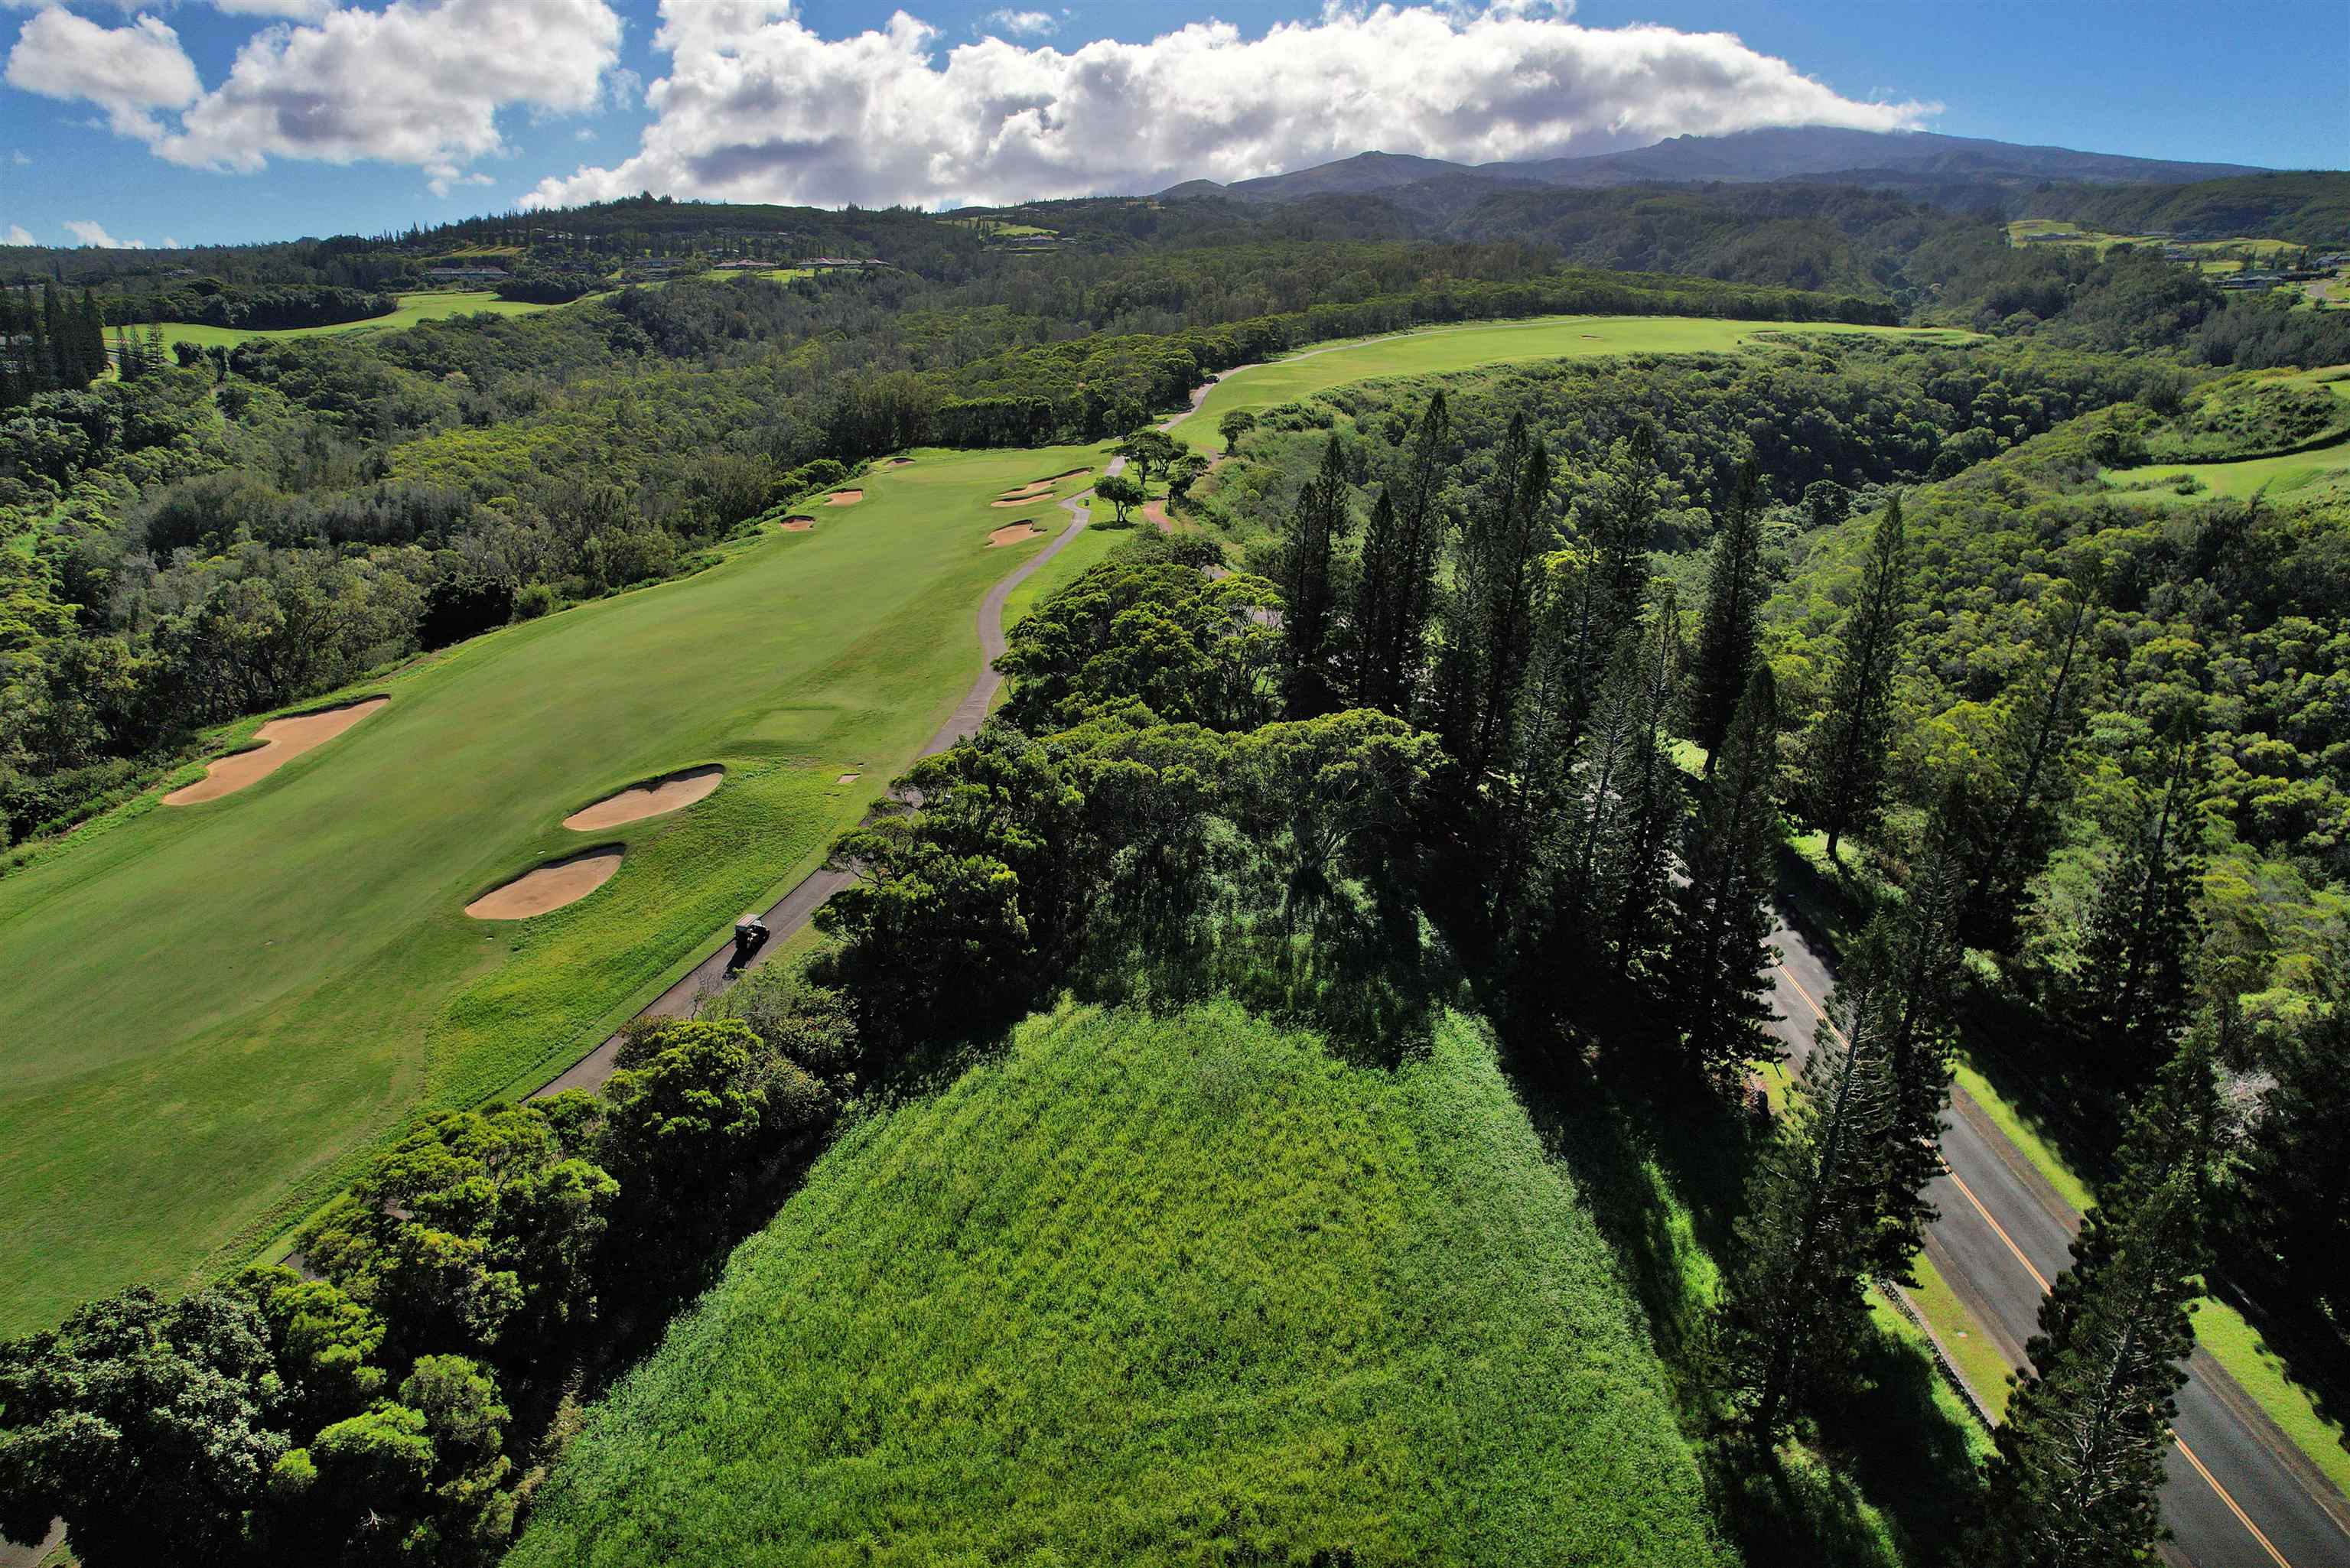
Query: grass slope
column 1145, row 1291
column 211, row 1007
column 1439, row 350
column 430, row 305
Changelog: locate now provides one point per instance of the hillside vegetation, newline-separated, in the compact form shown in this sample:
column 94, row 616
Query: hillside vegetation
column 1157, row 1290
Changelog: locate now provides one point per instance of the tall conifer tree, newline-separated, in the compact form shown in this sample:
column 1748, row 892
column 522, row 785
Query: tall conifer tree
column 1847, row 750
column 1794, row 1303
column 1322, row 516
column 2077, row 1477
column 2146, row 929
column 1733, row 612
column 1718, row 987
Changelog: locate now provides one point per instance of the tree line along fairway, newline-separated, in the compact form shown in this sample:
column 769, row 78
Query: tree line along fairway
column 234, row 1000
column 1439, row 350
column 213, row 1008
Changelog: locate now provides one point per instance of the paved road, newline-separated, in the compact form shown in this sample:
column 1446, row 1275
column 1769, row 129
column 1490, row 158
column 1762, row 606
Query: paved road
column 2239, row 1495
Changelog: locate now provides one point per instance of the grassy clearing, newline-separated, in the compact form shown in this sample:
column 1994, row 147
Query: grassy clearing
column 1440, row 351
column 1978, row 1360
column 220, row 1005
column 433, row 306
column 2305, row 475
column 1144, row 1291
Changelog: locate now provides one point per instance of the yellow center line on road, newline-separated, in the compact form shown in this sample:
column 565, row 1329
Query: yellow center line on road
column 1999, row 1231
column 2241, row 1517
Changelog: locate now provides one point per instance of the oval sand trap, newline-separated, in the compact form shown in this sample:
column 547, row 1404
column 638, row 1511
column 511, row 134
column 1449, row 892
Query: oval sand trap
column 901, row 463
column 550, row 886
column 671, row 792
column 1014, row 533
column 283, row 741
column 798, row 524
column 843, row 498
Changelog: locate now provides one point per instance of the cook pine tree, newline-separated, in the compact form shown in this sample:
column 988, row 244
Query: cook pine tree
column 1397, row 592
column 1720, row 985
column 1733, row 619
column 1848, row 748
column 2077, row 1476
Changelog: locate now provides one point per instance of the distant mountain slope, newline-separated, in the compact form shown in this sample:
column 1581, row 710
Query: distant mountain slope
column 1778, row 153
column 2309, row 209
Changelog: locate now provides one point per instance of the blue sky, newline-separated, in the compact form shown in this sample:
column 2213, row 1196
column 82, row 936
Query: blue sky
column 209, row 121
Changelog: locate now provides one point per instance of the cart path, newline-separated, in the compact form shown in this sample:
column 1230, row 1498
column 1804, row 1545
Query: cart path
column 797, row 907
column 2238, row 1494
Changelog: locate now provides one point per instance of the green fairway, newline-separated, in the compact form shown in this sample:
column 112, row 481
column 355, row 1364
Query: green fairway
column 1157, row 1290
column 436, row 305
column 213, row 1007
column 2305, row 475
column 1438, row 351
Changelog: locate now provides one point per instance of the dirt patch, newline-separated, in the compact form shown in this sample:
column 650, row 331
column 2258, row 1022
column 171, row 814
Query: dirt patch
column 671, row 792
column 1155, row 512
column 798, row 524
column 282, row 740
column 1014, row 533
column 845, row 778
column 843, row 498
column 550, row 886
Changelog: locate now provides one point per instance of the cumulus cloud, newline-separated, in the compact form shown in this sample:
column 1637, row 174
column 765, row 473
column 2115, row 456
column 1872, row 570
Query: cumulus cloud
column 757, row 106
column 18, row 234
column 129, row 72
column 419, row 82
column 1022, row 23
column 88, row 234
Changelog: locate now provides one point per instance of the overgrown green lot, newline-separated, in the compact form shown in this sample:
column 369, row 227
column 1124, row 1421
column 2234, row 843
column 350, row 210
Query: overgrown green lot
column 1157, row 1290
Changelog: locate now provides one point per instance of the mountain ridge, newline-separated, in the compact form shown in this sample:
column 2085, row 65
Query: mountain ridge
column 1739, row 157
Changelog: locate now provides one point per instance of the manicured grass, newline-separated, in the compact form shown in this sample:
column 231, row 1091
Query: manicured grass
column 1985, row 1369
column 2305, row 475
column 435, row 306
column 1157, row 1290
column 1438, row 351
column 212, row 1009
column 2237, row 1346
column 2024, row 1134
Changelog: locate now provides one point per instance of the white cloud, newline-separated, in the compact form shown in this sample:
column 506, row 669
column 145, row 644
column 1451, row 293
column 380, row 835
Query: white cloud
column 419, row 82
column 20, row 236
column 89, row 234
column 129, row 72
column 301, row 10
column 756, row 106
column 1022, row 24
column 21, row 159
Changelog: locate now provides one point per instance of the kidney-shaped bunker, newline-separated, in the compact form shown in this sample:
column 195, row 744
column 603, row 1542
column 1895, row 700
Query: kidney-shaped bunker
column 550, row 886
column 671, row 792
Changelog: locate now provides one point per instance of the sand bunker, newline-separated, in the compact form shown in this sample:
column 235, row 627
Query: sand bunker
column 671, row 792
column 843, row 498
column 845, row 778
column 799, row 525
column 1011, row 501
column 901, row 463
column 283, row 741
column 1014, row 533
column 1036, row 487
column 549, row 887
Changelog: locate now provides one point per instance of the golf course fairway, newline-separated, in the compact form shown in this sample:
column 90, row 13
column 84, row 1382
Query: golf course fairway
column 213, row 1008
column 1439, row 350
column 213, row 1011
